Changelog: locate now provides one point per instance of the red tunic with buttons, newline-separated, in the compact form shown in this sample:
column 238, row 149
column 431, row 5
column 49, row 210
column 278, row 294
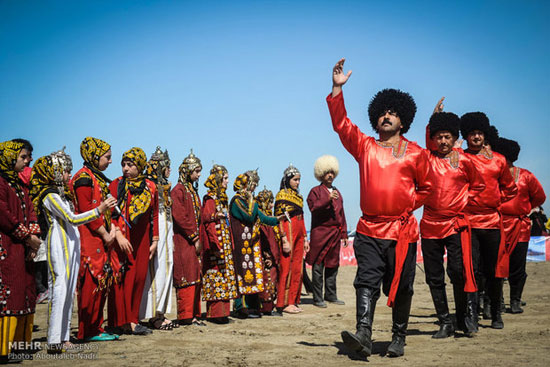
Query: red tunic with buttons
column 517, row 224
column 186, row 214
column 17, row 222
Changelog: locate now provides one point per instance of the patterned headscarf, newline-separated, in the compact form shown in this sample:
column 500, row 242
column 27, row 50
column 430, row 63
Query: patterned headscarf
column 141, row 196
column 214, row 183
column 265, row 201
column 240, row 182
column 44, row 180
column 9, row 152
column 91, row 149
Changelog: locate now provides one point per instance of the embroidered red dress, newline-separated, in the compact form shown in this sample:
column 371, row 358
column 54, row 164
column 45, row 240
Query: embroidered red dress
column 95, row 272
column 291, row 264
column 187, row 268
column 130, row 270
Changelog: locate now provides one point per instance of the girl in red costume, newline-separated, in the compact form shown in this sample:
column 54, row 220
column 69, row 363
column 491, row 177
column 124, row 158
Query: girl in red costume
column 91, row 187
column 290, row 203
column 137, row 235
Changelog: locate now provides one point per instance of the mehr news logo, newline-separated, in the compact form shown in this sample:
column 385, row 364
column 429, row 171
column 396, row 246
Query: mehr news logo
column 35, row 350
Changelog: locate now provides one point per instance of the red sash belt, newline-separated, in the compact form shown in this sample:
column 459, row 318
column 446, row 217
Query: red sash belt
column 401, row 248
column 462, row 225
column 507, row 246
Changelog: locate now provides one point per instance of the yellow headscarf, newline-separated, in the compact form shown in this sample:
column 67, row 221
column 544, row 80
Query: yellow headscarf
column 141, row 196
column 9, row 152
column 213, row 183
column 91, row 149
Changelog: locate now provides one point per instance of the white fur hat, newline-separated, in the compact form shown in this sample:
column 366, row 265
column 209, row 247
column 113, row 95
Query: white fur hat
column 324, row 164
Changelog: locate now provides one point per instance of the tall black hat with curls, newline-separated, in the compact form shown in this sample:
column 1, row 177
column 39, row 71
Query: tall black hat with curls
column 508, row 148
column 395, row 100
column 492, row 136
column 444, row 121
column 474, row 121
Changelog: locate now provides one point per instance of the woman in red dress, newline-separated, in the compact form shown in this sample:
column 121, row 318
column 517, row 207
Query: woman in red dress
column 290, row 203
column 219, row 280
column 186, row 212
column 137, row 237
column 18, row 245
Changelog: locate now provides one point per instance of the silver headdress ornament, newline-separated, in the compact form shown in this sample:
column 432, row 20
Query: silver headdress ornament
column 217, row 168
column 61, row 162
column 189, row 164
column 162, row 157
column 253, row 176
column 291, row 171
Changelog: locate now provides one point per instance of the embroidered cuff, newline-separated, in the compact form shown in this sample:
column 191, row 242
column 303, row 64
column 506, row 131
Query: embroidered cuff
column 155, row 238
column 194, row 237
column 21, row 232
column 34, row 228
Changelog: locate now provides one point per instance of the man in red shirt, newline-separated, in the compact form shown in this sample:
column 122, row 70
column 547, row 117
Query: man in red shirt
column 444, row 225
column 393, row 183
column 517, row 225
column 483, row 211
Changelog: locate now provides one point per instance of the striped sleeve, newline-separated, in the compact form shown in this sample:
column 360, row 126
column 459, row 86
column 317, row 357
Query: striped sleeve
column 61, row 209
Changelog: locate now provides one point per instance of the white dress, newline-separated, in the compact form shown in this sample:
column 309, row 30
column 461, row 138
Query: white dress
column 157, row 293
column 63, row 248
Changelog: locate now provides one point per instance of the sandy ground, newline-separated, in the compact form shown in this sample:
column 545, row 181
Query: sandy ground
column 313, row 337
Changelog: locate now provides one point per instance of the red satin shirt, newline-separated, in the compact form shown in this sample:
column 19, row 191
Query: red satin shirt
column 530, row 195
column 499, row 188
column 393, row 182
column 455, row 182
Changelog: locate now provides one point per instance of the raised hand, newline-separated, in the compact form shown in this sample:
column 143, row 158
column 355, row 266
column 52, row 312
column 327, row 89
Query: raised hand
column 338, row 77
column 439, row 106
column 334, row 195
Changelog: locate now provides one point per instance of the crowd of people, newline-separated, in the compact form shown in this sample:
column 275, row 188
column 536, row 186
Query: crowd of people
column 125, row 243
column 476, row 207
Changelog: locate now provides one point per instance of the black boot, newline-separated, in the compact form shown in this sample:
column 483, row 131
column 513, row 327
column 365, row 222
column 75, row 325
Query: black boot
column 446, row 329
column 515, row 297
column 463, row 321
column 361, row 342
column 495, row 293
column 400, row 317
column 472, row 314
column 486, row 306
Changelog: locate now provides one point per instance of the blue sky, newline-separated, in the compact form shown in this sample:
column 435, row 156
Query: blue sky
column 244, row 83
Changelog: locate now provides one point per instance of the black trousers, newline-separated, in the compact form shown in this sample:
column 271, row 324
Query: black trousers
column 41, row 276
column 517, row 276
column 433, row 251
column 330, row 282
column 485, row 243
column 376, row 265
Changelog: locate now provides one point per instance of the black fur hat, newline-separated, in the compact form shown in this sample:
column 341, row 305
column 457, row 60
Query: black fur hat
column 508, row 148
column 444, row 121
column 492, row 136
column 474, row 121
column 395, row 100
